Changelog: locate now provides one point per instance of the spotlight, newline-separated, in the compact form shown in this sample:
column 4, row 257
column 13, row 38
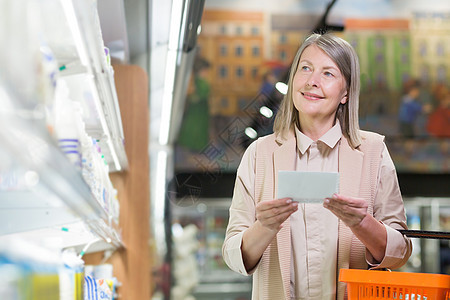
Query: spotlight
column 251, row 133
column 281, row 87
column 266, row 112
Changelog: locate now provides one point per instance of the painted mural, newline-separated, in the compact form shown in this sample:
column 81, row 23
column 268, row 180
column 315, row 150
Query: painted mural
column 242, row 54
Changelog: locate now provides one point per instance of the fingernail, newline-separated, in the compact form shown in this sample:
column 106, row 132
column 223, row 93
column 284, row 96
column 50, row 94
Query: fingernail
column 335, row 196
column 326, row 201
column 288, row 201
column 295, row 204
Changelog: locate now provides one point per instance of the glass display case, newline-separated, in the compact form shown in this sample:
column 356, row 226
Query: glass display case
column 431, row 214
column 215, row 279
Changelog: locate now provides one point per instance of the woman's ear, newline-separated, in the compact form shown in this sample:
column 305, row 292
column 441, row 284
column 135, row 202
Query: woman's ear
column 344, row 99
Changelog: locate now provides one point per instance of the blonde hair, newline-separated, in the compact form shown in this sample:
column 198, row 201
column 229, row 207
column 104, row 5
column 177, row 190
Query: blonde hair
column 345, row 57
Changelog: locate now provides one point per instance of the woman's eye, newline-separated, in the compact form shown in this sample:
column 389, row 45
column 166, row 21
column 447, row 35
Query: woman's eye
column 328, row 74
column 305, row 68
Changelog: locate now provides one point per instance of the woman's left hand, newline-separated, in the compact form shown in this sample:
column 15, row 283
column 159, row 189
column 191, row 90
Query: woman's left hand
column 350, row 210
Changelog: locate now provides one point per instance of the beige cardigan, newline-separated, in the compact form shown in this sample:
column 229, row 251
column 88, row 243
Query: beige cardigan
column 359, row 171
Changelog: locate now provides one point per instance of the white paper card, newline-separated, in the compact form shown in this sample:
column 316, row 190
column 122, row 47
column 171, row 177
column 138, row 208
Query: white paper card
column 307, row 187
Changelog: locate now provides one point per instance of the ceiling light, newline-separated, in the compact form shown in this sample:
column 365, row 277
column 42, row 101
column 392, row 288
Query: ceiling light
column 251, row 133
column 281, row 87
column 266, row 112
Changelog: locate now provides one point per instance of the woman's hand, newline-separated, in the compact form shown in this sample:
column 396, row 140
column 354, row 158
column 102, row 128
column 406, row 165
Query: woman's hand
column 352, row 211
column 271, row 214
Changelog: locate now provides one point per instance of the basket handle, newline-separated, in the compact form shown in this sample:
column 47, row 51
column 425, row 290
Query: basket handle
column 424, row 234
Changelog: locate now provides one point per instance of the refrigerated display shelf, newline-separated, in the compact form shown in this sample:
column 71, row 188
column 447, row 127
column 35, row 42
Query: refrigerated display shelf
column 85, row 54
column 40, row 188
column 43, row 195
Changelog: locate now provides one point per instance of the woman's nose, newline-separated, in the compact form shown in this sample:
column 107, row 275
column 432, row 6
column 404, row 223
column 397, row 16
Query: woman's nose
column 313, row 80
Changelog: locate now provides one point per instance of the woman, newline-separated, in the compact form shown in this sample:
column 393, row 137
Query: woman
column 294, row 250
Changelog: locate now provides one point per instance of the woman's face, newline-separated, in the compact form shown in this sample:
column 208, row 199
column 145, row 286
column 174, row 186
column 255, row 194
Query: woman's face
column 318, row 86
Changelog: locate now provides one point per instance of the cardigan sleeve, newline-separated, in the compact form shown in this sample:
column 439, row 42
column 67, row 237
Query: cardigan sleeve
column 390, row 211
column 242, row 212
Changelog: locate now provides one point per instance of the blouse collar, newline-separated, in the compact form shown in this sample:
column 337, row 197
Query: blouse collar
column 330, row 138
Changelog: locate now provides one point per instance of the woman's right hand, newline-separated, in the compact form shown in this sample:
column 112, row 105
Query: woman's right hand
column 271, row 214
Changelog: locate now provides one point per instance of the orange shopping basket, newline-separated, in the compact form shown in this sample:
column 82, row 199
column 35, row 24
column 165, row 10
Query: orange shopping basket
column 365, row 284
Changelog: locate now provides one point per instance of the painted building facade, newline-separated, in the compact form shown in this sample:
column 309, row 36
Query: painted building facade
column 233, row 42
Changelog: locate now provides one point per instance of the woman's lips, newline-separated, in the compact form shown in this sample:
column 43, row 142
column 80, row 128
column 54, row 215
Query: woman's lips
column 311, row 96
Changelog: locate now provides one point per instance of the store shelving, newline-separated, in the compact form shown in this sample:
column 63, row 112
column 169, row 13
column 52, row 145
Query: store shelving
column 83, row 60
column 43, row 196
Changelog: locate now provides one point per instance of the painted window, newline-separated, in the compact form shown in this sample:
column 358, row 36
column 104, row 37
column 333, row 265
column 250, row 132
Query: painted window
column 239, row 72
column 404, row 58
column 223, row 29
column 223, row 50
column 254, row 72
column 404, row 42
column 224, row 102
column 242, row 103
column 379, row 42
column 423, row 49
column 283, row 55
column 256, row 51
column 425, row 74
column 223, row 72
column 238, row 51
column 440, row 49
column 442, row 74
column 255, row 30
